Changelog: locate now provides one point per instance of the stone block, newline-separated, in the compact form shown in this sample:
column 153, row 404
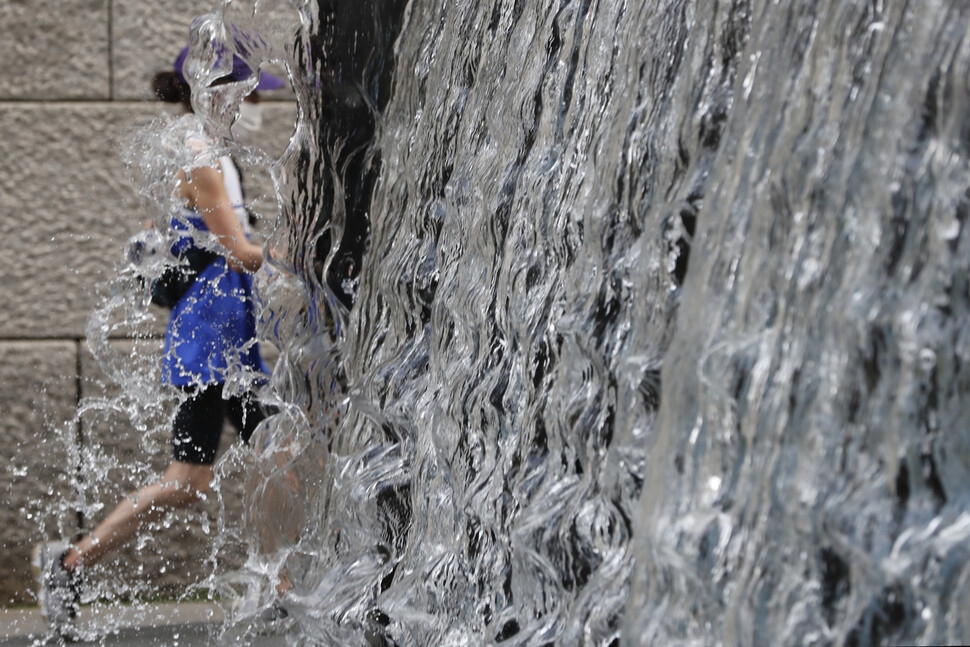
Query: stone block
column 67, row 209
column 146, row 37
column 38, row 388
column 55, row 50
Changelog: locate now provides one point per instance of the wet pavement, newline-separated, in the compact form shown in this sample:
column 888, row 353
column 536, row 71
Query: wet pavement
column 171, row 636
column 162, row 625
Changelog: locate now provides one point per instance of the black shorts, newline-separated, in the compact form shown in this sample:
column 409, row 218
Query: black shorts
column 199, row 420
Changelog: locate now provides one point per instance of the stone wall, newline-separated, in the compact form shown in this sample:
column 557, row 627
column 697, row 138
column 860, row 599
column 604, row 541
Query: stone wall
column 76, row 79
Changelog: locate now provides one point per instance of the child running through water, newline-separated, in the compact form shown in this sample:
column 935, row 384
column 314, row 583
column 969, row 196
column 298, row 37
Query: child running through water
column 211, row 327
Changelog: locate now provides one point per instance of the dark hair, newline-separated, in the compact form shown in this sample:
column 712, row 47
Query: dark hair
column 168, row 87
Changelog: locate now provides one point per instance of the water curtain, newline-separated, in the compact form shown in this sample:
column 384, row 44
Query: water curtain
column 619, row 322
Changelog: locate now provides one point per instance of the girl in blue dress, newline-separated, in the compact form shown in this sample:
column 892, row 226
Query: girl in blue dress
column 211, row 332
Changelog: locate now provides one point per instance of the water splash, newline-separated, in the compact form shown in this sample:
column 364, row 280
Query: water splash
column 465, row 446
column 657, row 335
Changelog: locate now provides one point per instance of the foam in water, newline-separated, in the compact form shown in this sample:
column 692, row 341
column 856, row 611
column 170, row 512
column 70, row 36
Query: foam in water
column 657, row 339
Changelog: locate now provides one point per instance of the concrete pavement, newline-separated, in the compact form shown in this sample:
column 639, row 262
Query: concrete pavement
column 157, row 625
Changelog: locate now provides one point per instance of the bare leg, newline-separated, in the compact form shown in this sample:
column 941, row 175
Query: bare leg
column 283, row 584
column 181, row 485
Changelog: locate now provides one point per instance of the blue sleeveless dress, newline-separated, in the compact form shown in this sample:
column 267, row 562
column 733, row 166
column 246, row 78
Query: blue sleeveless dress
column 212, row 327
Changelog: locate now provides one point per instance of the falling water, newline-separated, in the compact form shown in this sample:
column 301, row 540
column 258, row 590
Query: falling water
column 656, row 338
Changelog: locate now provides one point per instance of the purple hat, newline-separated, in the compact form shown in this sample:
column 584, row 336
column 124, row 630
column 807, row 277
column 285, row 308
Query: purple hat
column 240, row 72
